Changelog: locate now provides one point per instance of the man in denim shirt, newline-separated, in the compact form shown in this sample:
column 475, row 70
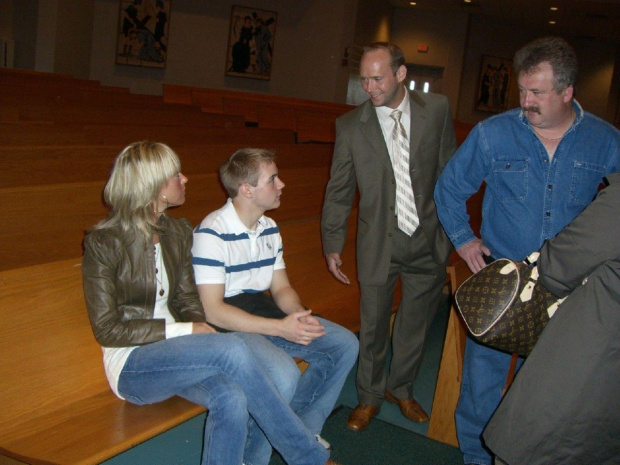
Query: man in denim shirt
column 542, row 165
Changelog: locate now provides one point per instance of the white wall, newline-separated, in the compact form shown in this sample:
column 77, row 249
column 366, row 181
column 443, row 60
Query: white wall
column 445, row 37
column 73, row 37
column 79, row 37
column 596, row 67
column 458, row 43
column 487, row 38
column 307, row 53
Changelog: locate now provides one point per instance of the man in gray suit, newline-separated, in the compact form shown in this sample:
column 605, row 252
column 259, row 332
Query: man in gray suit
column 397, row 236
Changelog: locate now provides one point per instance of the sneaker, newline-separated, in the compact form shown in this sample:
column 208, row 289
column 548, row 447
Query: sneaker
column 323, row 442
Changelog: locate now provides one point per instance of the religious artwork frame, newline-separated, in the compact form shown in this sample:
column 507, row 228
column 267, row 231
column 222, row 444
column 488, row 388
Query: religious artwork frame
column 142, row 38
column 251, row 39
column 493, row 84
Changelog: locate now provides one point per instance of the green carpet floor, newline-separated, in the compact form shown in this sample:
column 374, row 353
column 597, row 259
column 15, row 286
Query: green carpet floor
column 382, row 444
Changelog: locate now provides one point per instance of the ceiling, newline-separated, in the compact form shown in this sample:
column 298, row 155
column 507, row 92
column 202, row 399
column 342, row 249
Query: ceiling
column 596, row 19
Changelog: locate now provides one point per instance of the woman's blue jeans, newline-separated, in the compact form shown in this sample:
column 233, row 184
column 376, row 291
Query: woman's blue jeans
column 219, row 372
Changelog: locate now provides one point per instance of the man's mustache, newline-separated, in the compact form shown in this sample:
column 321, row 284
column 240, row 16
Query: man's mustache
column 533, row 109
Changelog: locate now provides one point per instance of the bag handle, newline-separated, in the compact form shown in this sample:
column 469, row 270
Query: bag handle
column 511, row 373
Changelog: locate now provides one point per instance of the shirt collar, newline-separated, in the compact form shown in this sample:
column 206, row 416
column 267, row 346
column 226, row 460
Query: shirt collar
column 578, row 115
column 236, row 223
column 384, row 112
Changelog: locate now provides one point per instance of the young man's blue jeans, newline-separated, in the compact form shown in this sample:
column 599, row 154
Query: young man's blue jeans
column 484, row 377
column 285, row 375
column 330, row 360
column 219, row 371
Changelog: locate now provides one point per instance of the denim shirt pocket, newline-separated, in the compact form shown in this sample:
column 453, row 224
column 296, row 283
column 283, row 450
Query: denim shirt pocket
column 585, row 180
column 510, row 177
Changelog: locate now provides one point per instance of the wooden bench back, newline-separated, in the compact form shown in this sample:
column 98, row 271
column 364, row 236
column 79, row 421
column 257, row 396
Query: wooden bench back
column 25, row 134
column 91, row 113
column 47, row 222
column 312, row 121
column 243, row 103
column 22, row 166
column 308, row 274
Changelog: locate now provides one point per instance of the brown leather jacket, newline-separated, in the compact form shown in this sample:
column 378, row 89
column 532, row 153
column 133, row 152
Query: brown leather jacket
column 118, row 273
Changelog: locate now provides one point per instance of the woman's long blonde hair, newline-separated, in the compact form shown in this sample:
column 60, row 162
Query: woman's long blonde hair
column 138, row 174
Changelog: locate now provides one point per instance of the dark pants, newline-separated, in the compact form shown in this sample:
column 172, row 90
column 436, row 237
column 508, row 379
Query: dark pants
column 422, row 281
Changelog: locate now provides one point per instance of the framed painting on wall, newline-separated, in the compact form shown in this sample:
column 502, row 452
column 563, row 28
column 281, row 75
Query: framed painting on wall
column 143, row 33
column 251, row 38
column 493, row 84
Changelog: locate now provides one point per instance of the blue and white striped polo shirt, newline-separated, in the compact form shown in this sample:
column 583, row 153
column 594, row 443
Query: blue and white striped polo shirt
column 226, row 252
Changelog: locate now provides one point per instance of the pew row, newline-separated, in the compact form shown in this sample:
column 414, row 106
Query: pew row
column 312, row 121
column 39, row 79
column 61, row 113
column 57, row 407
column 45, row 223
column 34, row 134
column 239, row 102
column 22, row 166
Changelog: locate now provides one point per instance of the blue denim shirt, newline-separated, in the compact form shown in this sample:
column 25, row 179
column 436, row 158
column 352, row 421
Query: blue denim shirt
column 528, row 198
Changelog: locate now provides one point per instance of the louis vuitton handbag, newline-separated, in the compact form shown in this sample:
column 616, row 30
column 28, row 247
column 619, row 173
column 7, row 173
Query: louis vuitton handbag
column 505, row 307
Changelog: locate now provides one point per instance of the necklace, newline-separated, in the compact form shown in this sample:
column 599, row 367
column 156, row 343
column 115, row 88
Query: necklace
column 551, row 139
column 158, row 266
column 555, row 139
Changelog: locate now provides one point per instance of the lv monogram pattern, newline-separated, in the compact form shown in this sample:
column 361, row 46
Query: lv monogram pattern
column 494, row 313
column 405, row 204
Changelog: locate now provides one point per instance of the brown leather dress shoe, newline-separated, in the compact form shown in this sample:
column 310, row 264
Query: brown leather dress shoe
column 409, row 408
column 360, row 417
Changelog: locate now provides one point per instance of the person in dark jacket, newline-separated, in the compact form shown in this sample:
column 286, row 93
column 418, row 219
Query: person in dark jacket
column 564, row 407
column 145, row 312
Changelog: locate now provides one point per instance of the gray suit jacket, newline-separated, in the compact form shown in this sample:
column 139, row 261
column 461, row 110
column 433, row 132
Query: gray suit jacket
column 361, row 160
column 563, row 406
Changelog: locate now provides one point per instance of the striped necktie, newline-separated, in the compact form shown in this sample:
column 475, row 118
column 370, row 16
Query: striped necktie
column 405, row 205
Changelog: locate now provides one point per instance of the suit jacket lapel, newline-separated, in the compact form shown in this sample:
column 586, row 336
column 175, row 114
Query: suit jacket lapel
column 372, row 133
column 418, row 126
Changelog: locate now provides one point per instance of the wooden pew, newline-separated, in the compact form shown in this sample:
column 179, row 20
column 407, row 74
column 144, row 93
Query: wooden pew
column 65, row 94
column 66, row 104
column 52, row 193
column 312, row 121
column 37, row 79
column 112, row 134
column 57, row 406
column 447, row 390
column 45, row 223
column 245, row 103
column 307, row 271
column 22, row 166
column 273, row 116
column 90, row 113
column 175, row 93
column 462, row 130
column 315, row 126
